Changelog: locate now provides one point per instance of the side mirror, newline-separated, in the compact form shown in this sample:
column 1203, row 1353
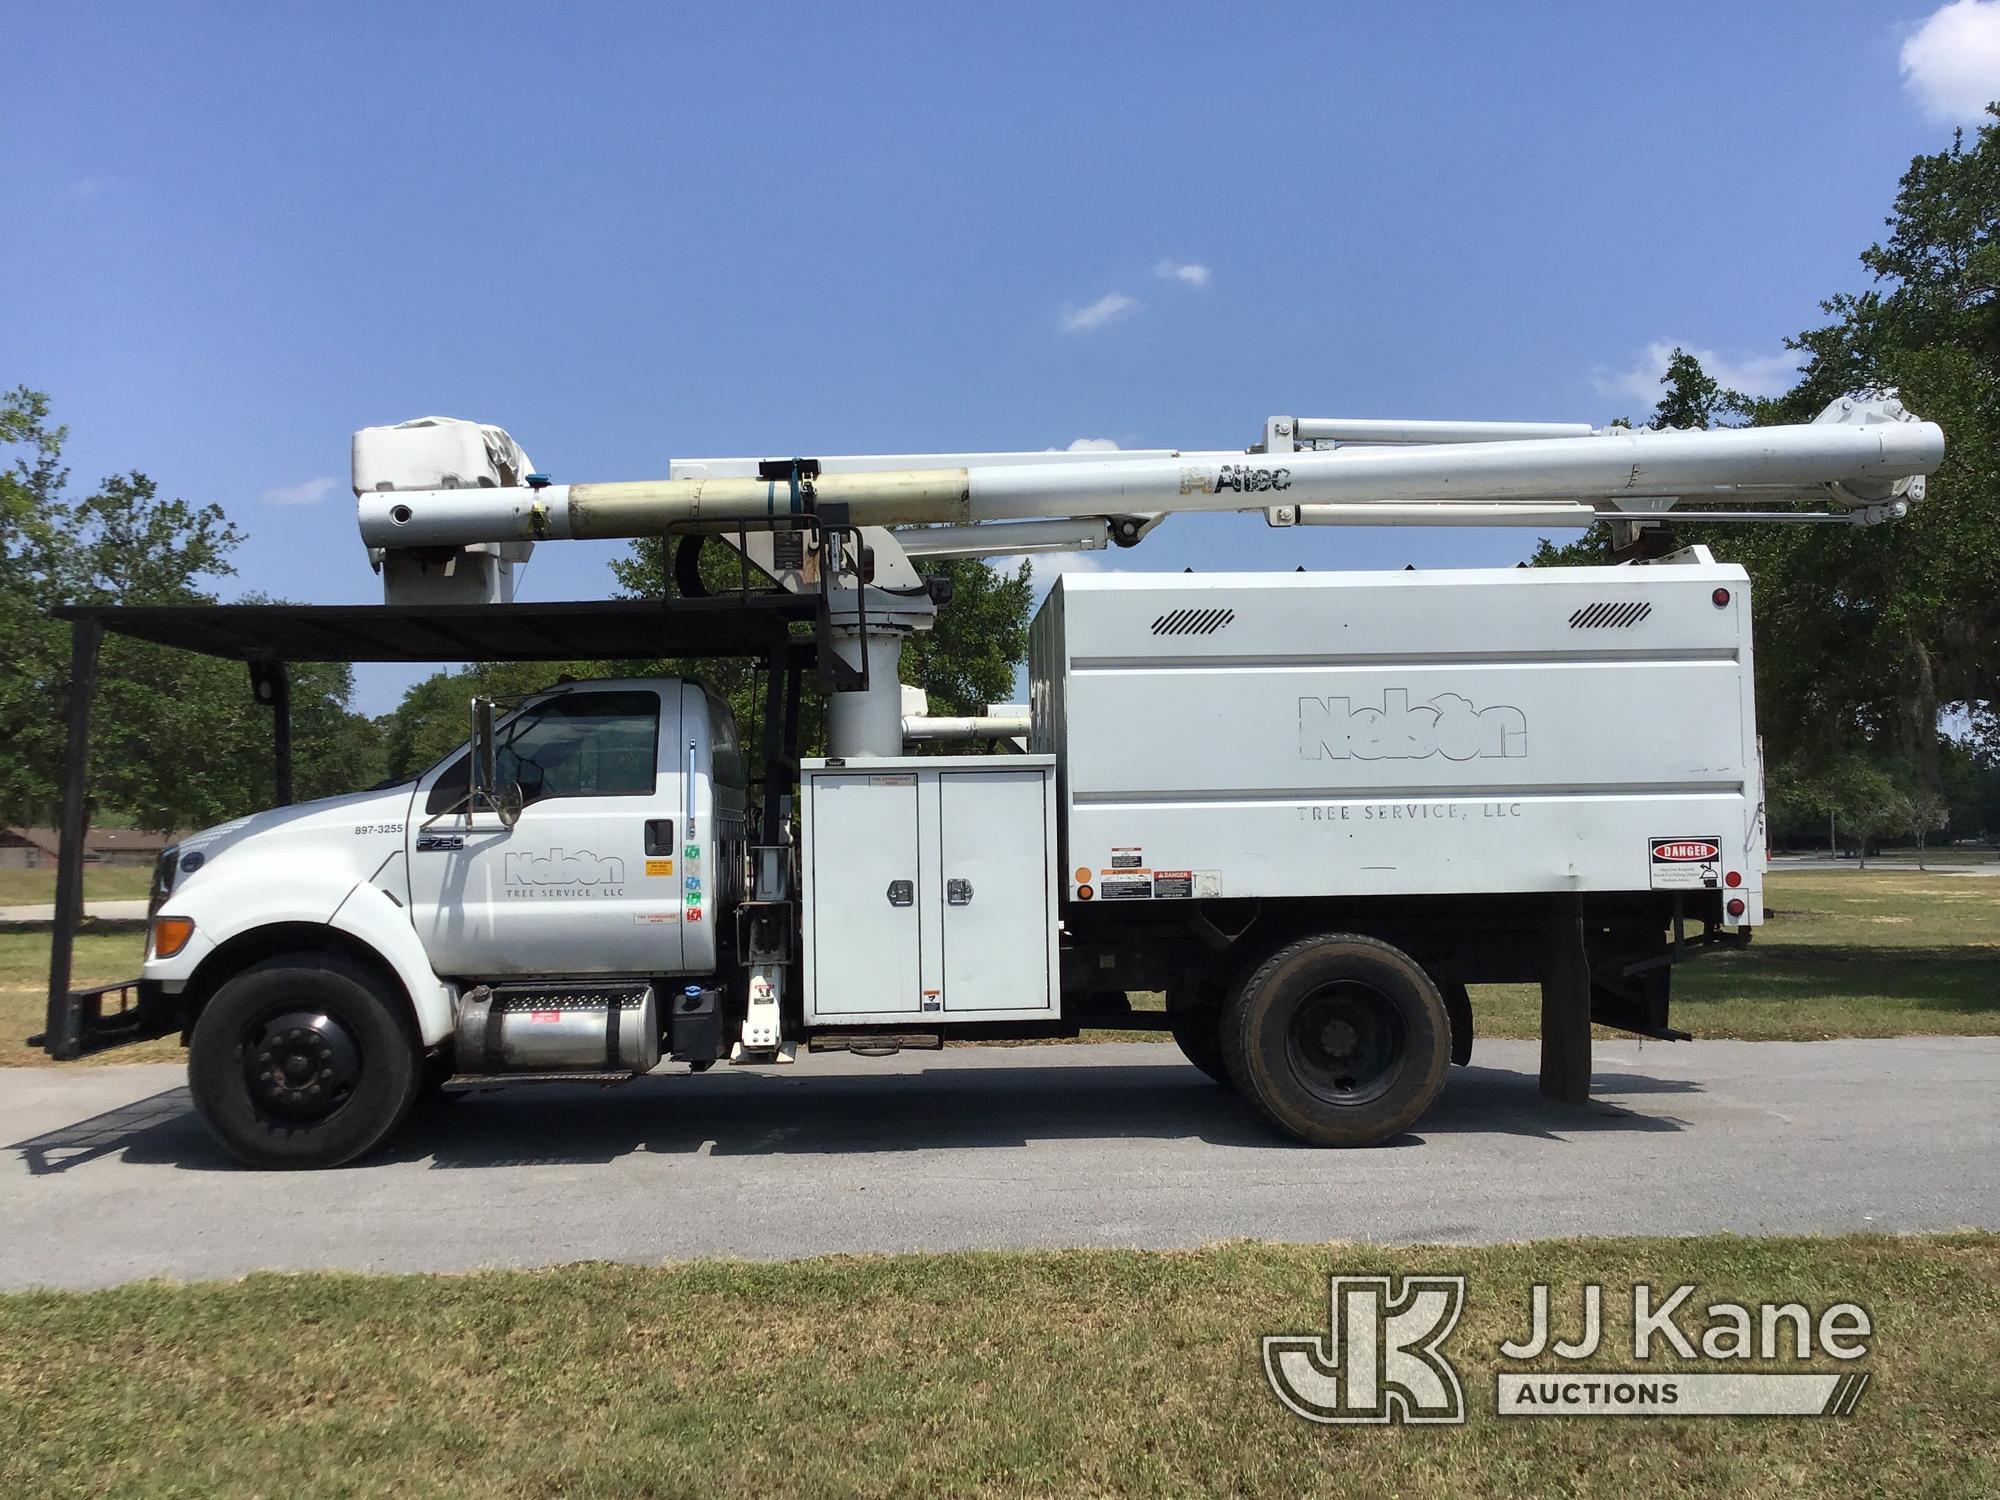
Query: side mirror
column 484, row 789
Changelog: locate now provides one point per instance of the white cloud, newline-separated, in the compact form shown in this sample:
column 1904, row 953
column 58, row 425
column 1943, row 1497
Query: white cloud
column 1951, row 63
column 311, row 492
column 1110, row 306
column 1753, row 375
column 1188, row 272
column 1093, row 445
column 1046, row 567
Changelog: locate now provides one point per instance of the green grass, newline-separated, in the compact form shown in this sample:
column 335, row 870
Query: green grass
column 100, row 883
column 102, row 954
column 1896, row 953
column 1080, row 1372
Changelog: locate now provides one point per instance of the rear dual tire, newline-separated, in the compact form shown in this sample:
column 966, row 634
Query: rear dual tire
column 303, row 1061
column 1338, row 1040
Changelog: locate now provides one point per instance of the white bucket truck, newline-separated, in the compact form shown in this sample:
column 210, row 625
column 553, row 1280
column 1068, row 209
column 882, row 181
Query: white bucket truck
column 1308, row 808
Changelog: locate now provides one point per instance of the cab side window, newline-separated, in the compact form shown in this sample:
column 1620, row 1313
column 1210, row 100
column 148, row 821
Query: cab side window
column 577, row 745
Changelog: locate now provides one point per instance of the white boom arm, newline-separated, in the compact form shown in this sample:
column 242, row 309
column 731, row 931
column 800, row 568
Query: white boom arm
column 1865, row 457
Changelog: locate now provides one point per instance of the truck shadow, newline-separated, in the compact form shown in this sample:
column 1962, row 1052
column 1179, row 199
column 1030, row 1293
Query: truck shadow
column 766, row 1113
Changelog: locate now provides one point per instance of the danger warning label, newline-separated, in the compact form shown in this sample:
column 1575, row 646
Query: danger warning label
column 1687, row 863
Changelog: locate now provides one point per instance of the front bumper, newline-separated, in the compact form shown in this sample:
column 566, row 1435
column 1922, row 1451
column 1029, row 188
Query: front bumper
column 107, row 1016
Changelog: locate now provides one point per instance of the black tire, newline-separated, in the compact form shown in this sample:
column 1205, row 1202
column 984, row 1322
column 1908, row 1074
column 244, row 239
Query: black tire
column 303, row 1061
column 1197, row 1031
column 1339, row 1040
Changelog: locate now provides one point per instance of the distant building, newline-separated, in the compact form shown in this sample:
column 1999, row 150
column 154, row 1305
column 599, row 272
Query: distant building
column 36, row 848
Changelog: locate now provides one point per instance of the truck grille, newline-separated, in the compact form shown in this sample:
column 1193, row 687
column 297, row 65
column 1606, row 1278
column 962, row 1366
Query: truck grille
column 1608, row 616
column 1193, row 621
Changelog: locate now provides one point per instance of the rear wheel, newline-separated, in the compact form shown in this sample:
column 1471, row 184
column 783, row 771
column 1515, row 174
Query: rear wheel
column 302, row 1061
column 1340, row 1040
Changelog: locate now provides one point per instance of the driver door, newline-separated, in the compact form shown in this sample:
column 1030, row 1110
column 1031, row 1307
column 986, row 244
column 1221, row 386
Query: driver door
column 585, row 882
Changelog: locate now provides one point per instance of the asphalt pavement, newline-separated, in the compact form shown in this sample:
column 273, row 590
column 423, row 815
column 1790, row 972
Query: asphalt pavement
column 107, row 1176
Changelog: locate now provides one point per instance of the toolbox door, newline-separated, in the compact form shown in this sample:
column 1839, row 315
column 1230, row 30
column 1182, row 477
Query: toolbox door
column 866, row 875
column 992, row 890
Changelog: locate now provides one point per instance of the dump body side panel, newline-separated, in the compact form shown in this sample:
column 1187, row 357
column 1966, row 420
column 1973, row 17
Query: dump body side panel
column 1475, row 731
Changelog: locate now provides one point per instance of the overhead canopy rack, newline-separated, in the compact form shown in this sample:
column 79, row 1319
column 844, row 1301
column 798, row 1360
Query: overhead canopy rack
column 597, row 630
column 268, row 638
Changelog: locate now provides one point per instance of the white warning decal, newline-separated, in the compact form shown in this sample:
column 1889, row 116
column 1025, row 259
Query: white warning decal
column 1687, row 863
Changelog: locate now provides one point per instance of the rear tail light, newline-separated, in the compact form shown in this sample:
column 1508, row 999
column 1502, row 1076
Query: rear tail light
column 1735, row 907
column 1733, row 879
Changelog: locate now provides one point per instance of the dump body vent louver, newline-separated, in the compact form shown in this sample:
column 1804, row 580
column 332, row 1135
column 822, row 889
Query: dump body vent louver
column 1608, row 616
column 1193, row 621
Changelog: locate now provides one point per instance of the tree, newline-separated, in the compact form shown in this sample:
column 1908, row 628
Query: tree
column 966, row 661
column 1867, row 636
column 1870, row 803
column 1928, row 812
column 1692, row 398
column 178, row 739
column 434, row 717
column 1894, row 624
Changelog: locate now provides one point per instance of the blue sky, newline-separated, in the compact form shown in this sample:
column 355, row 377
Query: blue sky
column 238, row 232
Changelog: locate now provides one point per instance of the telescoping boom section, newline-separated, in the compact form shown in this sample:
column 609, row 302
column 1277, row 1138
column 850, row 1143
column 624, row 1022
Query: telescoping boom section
column 1864, row 458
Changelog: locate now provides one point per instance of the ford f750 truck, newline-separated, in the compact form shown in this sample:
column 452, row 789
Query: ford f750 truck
column 1308, row 809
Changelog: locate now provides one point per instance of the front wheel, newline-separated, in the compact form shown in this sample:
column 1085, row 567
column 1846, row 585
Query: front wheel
column 302, row 1061
column 1340, row 1040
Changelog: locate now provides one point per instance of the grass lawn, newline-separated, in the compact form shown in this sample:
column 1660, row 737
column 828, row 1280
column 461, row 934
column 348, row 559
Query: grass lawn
column 100, row 883
column 1078, row 1372
column 1895, row 953
column 102, row 954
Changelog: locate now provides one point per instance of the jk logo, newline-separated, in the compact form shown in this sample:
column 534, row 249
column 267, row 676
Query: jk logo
column 1380, row 1362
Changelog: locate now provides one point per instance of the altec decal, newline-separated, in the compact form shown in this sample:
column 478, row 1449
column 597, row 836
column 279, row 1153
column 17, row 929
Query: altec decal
column 1448, row 725
column 1242, row 479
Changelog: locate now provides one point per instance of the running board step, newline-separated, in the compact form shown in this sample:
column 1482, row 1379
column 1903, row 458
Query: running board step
column 459, row 1083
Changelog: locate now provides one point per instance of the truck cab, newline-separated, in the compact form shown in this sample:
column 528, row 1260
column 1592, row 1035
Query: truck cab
column 307, row 944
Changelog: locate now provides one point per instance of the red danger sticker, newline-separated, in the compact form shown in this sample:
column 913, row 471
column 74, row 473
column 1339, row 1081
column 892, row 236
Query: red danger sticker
column 1684, row 851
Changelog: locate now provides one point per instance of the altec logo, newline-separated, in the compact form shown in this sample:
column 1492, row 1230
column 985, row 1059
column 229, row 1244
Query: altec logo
column 1447, row 725
column 559, row 868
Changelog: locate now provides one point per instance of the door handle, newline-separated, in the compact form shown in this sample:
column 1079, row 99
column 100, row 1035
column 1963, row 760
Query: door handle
column 957, row 892
column 660, row 836
column 902, row 892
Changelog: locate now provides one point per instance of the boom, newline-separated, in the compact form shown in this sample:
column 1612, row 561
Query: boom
column 1863, row 459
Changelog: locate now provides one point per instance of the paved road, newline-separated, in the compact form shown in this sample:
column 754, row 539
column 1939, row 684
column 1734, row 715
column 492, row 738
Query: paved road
column 133, row 910
column 108, row 1177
